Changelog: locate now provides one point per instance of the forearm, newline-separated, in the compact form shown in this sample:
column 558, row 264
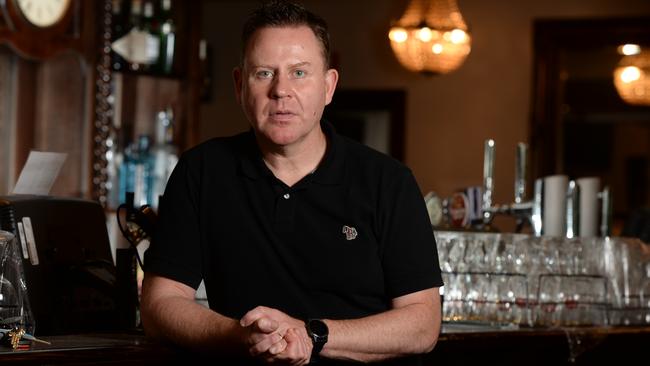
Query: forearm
column 192, row 326
column 179, row 320
column 412, row 329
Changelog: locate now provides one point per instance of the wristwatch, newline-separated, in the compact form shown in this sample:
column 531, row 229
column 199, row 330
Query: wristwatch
column 318, row 332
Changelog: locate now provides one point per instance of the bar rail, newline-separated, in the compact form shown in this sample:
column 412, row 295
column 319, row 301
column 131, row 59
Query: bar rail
column 458, row 344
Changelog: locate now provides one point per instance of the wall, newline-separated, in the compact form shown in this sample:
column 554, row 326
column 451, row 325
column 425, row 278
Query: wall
column 448, row 117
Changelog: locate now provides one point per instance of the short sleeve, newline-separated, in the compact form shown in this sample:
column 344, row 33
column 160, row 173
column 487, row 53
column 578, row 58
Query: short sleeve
column 409, row 253
column 175, row 248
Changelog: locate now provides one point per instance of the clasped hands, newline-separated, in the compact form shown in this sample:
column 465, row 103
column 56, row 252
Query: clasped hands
column 275, row 337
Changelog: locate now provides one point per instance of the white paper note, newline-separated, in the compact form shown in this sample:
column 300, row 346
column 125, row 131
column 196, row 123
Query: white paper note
column 39, row 173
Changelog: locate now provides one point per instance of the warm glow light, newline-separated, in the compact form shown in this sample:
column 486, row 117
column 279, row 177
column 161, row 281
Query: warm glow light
column 398, row 35
column 629, row 49
column 630, row 74
column 431, row 37
column 425, row 34
column 458, row 36
column 632, row 78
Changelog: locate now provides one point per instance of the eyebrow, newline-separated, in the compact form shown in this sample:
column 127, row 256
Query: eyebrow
column 293, row 66
column 299, row 64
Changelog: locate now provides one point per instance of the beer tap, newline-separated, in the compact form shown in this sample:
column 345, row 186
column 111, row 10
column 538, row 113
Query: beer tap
column 525, row 212
column 520, row 172
column 531, row 212
column 488, row 181
column 606, row 212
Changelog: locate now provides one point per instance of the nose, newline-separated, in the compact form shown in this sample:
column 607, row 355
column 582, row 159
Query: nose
column 280, row 88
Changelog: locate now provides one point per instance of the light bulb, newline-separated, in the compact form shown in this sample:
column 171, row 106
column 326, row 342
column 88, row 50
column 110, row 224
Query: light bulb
column 629, row 49
column 398, row 35
column 630, row 74
column 458, row 36
column 425, row 34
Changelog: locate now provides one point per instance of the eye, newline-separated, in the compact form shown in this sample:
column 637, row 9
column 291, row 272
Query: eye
column 299, row 73
column 264, row 74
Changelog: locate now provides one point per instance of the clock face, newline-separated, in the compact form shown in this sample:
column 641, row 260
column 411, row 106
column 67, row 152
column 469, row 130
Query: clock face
column 43, row 13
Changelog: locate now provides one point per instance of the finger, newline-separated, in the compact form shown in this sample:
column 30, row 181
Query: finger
column 278, row 347
column 296, row 351
column 255, row 337
column 253, row 315
column 265, row 325
column 265, row 344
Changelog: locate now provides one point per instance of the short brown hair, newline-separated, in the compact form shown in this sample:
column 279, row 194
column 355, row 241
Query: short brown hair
column 280, row 13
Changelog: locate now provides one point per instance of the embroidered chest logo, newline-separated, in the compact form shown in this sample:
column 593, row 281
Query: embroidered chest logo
column 350, row 232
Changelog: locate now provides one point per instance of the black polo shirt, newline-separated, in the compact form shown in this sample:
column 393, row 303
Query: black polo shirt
column 339, row 244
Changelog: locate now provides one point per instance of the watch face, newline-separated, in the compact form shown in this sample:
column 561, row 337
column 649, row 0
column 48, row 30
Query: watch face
column 318, row 327
column 43, row 13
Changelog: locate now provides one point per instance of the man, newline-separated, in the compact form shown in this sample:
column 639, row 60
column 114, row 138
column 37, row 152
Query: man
column 312, row 247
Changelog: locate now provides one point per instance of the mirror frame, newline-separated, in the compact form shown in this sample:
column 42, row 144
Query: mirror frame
column 552, row 38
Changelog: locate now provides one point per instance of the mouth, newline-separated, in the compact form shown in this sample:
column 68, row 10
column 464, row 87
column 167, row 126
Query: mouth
column 281, row 112
column 281, row 115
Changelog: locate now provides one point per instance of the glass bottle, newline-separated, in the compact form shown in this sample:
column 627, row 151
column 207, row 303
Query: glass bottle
column 127, row 172
column 151, row 30
column 135, row 172
column 143, row 176
column 115, row 160
column 120, row 26
column 134, row 44
column 165, row 63
column 164, row 154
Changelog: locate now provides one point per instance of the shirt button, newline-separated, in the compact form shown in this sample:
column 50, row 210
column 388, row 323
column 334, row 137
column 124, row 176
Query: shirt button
column 286, row 196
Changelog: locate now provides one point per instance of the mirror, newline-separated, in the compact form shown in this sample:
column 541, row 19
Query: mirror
column 372, row 117
column 581, row 126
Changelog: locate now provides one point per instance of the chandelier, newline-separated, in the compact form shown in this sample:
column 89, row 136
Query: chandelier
column 431, row 37
column 632, row 75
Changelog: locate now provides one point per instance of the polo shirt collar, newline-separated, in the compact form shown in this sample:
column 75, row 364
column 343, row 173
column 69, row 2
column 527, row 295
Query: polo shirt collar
column 330, row 171
column 250, row 158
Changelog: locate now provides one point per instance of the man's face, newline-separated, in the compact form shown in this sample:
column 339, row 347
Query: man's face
column 283, row 86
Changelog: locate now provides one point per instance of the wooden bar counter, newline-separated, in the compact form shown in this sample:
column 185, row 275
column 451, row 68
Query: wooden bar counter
column 458, row 345
column 91, row 349
column 466, row 345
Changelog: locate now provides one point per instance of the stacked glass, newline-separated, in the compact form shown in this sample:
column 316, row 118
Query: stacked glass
column 518, row 279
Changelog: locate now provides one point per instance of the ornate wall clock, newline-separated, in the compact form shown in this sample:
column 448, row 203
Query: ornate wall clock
column 42, row 13
column 39, row 28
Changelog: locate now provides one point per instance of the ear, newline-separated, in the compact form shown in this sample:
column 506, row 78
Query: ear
column 237, row 79
column 331, row 79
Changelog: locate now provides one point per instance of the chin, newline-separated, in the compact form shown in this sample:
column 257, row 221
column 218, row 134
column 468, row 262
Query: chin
column 280, row 134
column 280, row 137
column 283, row 140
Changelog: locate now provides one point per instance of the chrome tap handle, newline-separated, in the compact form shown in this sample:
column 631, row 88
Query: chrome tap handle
column 520, row 172
column 488, row 179
column 572, row 210
column 537, row 210
column 605, row 212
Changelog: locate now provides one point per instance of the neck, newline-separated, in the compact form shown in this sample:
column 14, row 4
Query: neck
column 292, row 163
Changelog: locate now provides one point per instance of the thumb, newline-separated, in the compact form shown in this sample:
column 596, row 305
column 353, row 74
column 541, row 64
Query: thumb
column 266, row 325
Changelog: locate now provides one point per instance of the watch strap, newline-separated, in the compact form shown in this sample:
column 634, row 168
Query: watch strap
column 318, row 332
